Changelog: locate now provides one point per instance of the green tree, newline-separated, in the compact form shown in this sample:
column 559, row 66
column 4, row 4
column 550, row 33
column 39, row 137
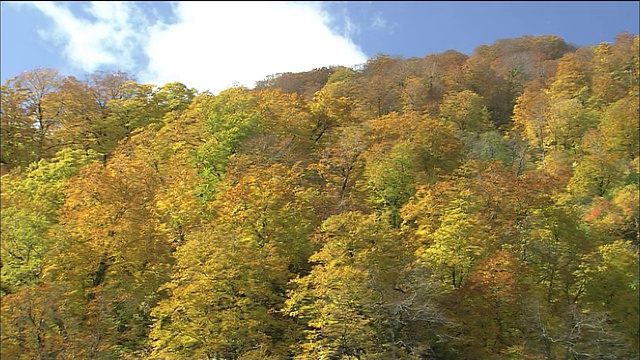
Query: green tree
column 620, row 127
column 36, row 322
column 452, row 249
column 230, row 118
column 30, row 201
column 612, row 289
column 405, row 151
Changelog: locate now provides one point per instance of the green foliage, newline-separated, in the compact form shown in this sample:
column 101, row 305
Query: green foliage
column 620, row 127
column 230, row 117
column 392, row 181
column 492, row 146
column 173, row 97
column 613, row 286
column 30, row 201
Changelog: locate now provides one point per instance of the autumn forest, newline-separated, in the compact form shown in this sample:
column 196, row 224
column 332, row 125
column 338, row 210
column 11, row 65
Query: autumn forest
column 454, row 206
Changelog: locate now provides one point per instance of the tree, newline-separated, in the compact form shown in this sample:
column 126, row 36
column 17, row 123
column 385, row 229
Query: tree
column 380, row 91
column 494, row 308
column 80, row 115
column 287, row 124
column 615, row 218
column 111, row 255
column 620, row 127
column 466, row 111
column 340, row 167
column 220, row 300
column 571, row 79
column 616, row 68
column 331, row 108
column 405, row 151
column 612, row 288
column 351, row 304
column 568, row 121
column 597, row 172
column 529, row 117
column 439, row 74
column 305, row 84
column 230, row 118
column 30, row 201
column 18, row 147
column 498, row 72
column 257, row 241
column 173, row 96
column 452, row 249
column 36, row 323
column 273, row 206
column 29, row 118
column 491, row 146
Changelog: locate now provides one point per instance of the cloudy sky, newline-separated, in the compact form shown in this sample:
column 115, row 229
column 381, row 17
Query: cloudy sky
column 216, row 45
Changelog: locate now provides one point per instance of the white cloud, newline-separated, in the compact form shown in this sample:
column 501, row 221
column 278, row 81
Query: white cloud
column 109, row 40
column 342, row 21
column 212, row 45
column 215, row 45
column 378, row 22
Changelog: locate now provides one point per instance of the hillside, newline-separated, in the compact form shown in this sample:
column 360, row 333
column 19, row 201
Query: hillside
column 444, row 207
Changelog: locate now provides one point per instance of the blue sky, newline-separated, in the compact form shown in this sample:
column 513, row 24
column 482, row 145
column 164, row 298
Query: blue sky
column 215, row 45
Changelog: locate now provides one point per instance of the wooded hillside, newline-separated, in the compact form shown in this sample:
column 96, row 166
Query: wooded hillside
column 445, row 207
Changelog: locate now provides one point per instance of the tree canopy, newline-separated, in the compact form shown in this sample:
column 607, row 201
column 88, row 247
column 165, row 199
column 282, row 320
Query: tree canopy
column 444, row 207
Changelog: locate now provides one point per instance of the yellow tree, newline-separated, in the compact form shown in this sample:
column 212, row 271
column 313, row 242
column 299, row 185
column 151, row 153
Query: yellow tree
column 620, row 127
column 340, row 167
column 346, row 304
column 30, row 201
column 568, row 120
column 288, row 129
column 80, row 114
column 36, row 321
column 616, row 69
column 530, row 119
column 597, row 172
column 109, row 254
column 331, row 108
column 220, row 301
column 256, row 242
column 18, row 147
column 453, row 248
column 466, row 111
column 571, row 79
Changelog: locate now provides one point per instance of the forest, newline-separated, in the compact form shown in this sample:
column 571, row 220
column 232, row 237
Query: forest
column 454, row 206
